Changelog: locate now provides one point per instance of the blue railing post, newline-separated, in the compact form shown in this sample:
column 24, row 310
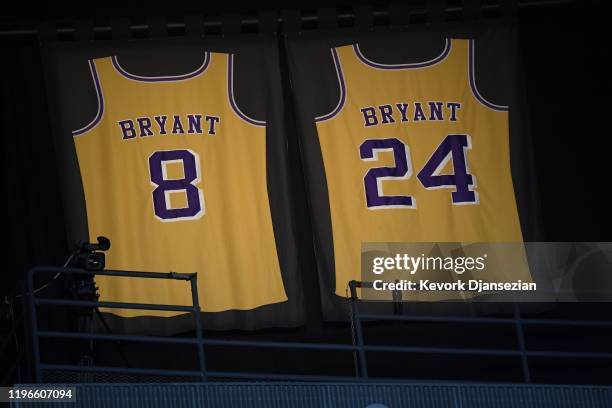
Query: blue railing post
column 521, row 341
column 357, row 329
column 198, row 323
column 34, row 323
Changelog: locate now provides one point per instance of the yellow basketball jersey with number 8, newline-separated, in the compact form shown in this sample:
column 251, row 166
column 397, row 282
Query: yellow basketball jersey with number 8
column 175, row 175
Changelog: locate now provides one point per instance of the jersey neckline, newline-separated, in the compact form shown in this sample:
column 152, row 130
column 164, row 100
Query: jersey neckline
column 162, row 78
column 445, row 53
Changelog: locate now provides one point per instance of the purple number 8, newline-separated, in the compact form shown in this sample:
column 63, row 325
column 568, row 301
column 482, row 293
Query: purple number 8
column 191, row 168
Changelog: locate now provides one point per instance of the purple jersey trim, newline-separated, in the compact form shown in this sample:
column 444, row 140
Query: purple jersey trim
column 342, row 83
column 98, row 117
column 472, row 74
column 230, row 94
column 164, row 78
column 433, row 61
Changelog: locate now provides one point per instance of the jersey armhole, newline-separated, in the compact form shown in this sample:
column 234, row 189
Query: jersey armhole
column 472, row 80
column 100, row 98
column 342, row 85
column 230, row 92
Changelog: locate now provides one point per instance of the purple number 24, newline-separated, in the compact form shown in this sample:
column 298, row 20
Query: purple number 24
column 452, row 147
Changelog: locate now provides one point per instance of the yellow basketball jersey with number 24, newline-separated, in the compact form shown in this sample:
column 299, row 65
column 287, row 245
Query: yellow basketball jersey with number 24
column 413, row 153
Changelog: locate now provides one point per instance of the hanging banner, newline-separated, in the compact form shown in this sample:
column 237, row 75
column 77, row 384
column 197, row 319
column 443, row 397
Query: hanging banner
column 174, row 150
column 411, row 135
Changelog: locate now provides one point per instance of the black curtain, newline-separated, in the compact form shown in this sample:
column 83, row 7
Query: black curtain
column 34, row 230
column 566, row 63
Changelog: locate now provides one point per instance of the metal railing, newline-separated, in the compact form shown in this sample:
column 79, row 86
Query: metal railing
column 15, row 355
column 36, row 333
column 359, row 348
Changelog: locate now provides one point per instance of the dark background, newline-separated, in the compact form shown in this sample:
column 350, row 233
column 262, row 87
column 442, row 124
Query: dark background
column 565, row 54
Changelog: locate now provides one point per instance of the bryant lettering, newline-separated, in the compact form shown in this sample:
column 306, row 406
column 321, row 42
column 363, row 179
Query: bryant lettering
column 191, row 124
column 406, row 112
